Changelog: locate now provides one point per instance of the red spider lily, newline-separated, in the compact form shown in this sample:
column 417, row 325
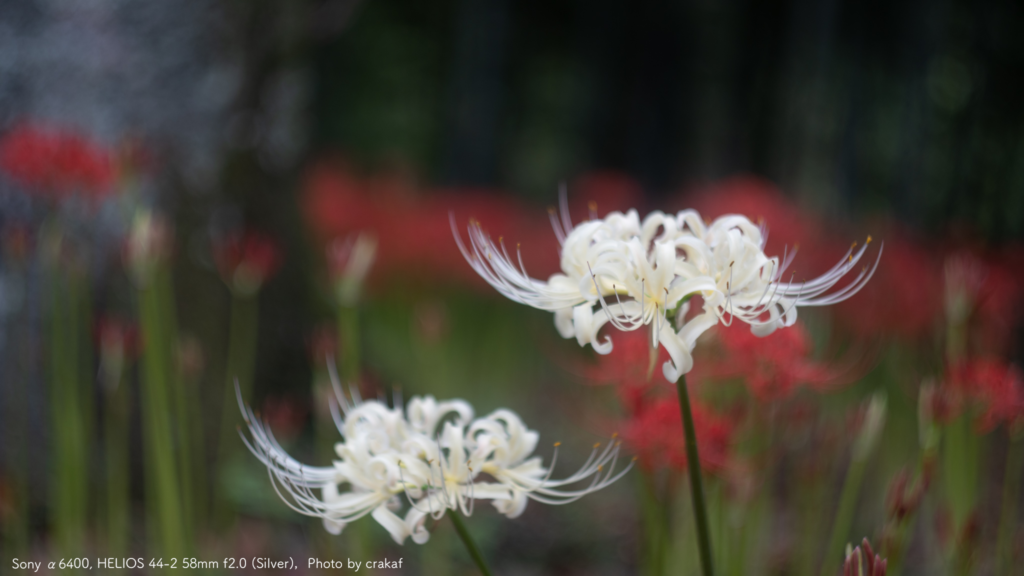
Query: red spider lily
column 653, row 429
column 246, row 260
column 892, row 303
column 993, row 386
column 897, row 301
column 983, row 298
column 771, row 367
column 629, row 368
column 655, row 435
column 56, row 162
column 413, row 229
column 413, row 226
column 115, row 335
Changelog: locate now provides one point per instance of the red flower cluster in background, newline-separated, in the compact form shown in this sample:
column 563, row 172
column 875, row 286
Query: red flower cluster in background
column 899, row 300
column 655, row 434
column 247, row 260
column 413, row 226
column 653, row 428
column 993, row 387
column 771, row 367
column 56, row 162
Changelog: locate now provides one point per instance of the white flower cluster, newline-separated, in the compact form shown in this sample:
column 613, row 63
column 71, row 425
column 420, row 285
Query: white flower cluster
column 428, row 459
column 630, row 273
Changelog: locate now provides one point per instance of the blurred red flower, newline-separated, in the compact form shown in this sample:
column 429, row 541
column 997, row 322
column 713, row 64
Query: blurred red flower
column 655, row 435
column 771, row 367
column 894, row 302
column 246, row 260
column 628, row 367
column 413, row 226
column 116, row 336
column 983, row 298
column 994, row 387
column 56, row 162
column 653, row 427
column 902, row 299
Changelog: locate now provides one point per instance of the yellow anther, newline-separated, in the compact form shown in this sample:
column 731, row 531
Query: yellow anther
column 619, row 443
column 592, row 205
column 551, row 209
column 851, row 257
column 854, row 245
column 557, row 444
column 615, row 435
column 869, row 239
column 598, row 445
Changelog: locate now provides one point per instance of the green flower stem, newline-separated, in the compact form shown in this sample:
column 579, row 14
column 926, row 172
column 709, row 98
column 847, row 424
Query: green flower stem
column 1011, row 491
column 116, row 448
column 71, row 482
column 240, row 367
column 696, row 484
column 181, row 399
column 844, row 516
column 471, row 546
column 17, row 528
column 348, row 344
column 162, row 478
column 960, row 466
column 656, row 526
column 360, row 538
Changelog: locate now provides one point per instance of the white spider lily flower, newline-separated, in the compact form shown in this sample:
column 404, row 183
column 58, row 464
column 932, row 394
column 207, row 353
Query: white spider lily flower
column 620, row 271
column 750, row 286
column 429, row 459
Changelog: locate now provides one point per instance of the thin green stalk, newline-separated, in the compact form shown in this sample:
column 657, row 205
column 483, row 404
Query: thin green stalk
column 242, row 340
column 161, row 464
column 71, row 478
column 349, row 349
column 180, row 397
column 1008, row 516
column 240, row 367
column 844, row 516
column 960, row 469
column 655, row 525
column 471, row 546
column 116, row 448
column 863, row 448
column 18, row 528
column 696, row 483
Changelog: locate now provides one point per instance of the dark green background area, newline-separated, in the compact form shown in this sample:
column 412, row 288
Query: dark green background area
column 910, row 107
